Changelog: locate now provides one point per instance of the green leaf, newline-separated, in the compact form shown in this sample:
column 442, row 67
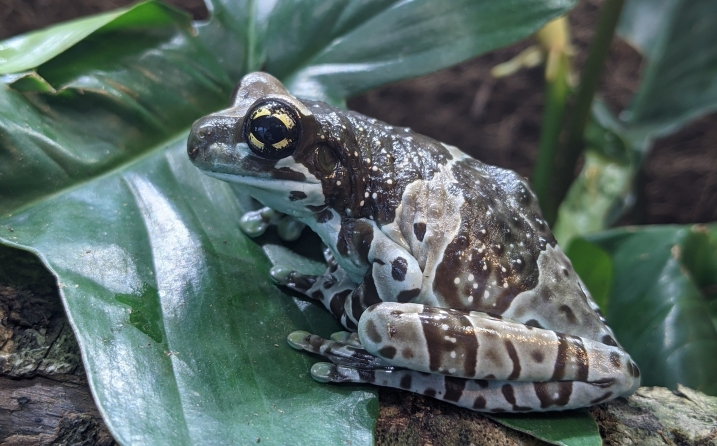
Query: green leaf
column 570, row 428
column 677, row 38
column 33, row 49
column 660, row 307
column 603, row 189
column 181, row 330
column 594, row 267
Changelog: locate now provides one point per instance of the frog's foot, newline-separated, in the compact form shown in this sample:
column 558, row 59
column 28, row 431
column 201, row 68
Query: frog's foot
column 343, row 349
column 475, row 394
column 457, row 356
column 331, row 288
column 255, row 223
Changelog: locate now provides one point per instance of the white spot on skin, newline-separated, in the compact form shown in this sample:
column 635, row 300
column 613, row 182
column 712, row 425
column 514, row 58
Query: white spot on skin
column 457, row 280
column 323, row 137
column 374, row 168
column 361, row 203
column 338, row 183
column 471, row 277
column 475, row 286
column 365, row 194
column 453, row 354
column 356, row 154
column 502, row 268
column 389, row 181
column 485, row 294
column 374, row 195
column 452, row 370
column 444, row 326
column 470, row 299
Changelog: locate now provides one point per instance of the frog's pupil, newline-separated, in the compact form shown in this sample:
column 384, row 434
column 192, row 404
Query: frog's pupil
column 268, row 129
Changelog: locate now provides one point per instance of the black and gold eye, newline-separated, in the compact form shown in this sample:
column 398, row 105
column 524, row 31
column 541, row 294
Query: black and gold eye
column 272, row 129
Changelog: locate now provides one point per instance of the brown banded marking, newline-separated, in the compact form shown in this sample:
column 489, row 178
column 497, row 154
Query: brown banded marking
column 509, row 395
column 553, row 393
column 445, row 345
column 571, row 354
column 406, row 382
column 454, row 388
column 515, row 359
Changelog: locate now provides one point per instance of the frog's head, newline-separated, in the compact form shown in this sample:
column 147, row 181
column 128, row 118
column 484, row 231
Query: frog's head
column 272, row 144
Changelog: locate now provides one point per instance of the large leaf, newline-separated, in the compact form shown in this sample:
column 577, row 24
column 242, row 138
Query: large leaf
column 181, row 331
column 662, row 301
column 679, row 80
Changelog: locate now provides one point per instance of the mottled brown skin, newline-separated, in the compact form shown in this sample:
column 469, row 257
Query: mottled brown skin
column 442, row 264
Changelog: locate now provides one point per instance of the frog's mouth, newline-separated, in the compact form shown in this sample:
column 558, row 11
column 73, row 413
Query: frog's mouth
column 237, row 164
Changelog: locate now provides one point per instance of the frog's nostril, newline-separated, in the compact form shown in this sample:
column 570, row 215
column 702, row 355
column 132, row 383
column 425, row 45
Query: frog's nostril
column 194, row 145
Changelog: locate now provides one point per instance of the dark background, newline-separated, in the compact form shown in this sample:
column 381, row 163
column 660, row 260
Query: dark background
column 496, row 121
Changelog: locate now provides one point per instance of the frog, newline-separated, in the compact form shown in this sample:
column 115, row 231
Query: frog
column 442, row 269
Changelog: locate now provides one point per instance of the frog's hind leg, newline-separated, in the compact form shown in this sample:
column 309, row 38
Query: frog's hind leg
column 476, row 394
column 482, row 362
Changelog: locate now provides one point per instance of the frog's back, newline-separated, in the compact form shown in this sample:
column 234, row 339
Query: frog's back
column 481, row 240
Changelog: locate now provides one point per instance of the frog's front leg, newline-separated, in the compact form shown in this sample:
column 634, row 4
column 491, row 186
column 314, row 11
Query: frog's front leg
column 255, row 223
column 478, row 361
column 393, row 275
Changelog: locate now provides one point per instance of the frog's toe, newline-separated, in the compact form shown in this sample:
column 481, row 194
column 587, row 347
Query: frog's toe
column 255, row 223
column 348, row 338
column 297, row 339
column 340, row 353
column 289, row 228
column 325, row 372
column 291, row 278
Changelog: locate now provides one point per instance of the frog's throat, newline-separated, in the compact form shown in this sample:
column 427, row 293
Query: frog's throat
column 264, row 183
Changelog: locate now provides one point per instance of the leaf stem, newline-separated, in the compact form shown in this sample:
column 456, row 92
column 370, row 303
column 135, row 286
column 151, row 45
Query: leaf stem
column 568, row 153
column 556, row 93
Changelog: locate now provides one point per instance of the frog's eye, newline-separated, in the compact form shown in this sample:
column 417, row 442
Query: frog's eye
column 272, row 129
